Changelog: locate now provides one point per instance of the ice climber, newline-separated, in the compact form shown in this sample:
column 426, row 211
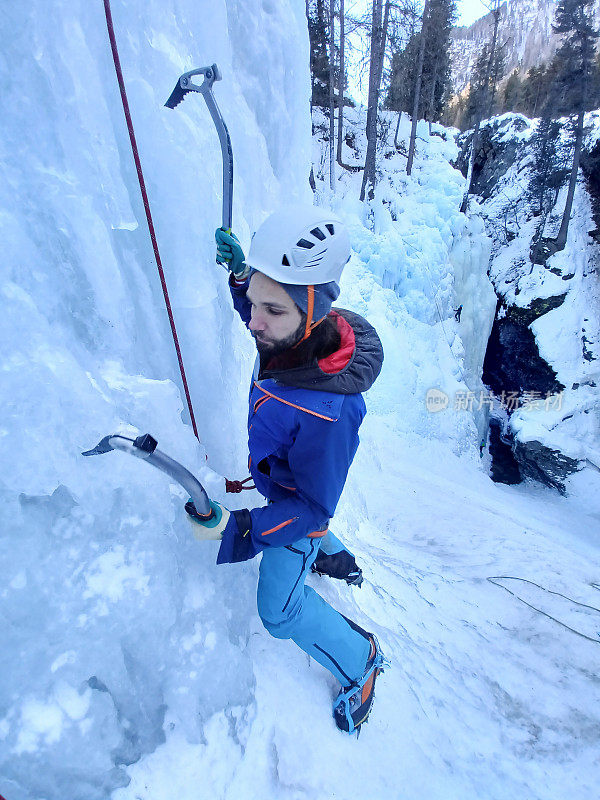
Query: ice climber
column 306, row 407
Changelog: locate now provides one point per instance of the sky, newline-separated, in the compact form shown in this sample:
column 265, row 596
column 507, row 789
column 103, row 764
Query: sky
column 470, row 10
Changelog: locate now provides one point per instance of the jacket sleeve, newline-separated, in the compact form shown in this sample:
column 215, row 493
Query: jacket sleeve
column 319, row 459
column 238, row 294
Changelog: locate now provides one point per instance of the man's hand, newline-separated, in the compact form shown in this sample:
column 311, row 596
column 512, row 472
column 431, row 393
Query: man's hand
column 230, row 253
column 205, row 530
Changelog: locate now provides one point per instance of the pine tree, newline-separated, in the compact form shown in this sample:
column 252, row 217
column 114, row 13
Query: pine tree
column 401, row 86
column 577, row 53
column 341, row 84
column 418, row 81
column 594, row 87
column 436, row 71
column 535, row 90
column 331, row 95
column 496, row 72
column 479, row 87
column 318, row 32
column 513, row 96
column 548, row 172
column 436, row 65
column 489, row 66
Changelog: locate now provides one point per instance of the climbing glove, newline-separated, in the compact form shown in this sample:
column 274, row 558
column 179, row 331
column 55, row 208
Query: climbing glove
column 230, row 253
column 213, row 528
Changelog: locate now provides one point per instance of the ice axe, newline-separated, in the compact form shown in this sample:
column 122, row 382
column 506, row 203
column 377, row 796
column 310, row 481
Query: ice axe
column 144, row 447
column 185, row 85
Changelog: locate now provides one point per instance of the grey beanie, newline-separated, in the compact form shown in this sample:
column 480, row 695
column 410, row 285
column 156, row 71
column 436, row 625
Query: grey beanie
column 324, row 296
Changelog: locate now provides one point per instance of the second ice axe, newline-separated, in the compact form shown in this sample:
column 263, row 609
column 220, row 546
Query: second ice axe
column 185, row 85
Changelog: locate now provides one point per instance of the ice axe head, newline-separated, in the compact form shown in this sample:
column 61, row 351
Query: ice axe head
column 185, row 84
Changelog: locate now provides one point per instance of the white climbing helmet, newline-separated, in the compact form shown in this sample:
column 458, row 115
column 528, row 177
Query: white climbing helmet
column 300, row 245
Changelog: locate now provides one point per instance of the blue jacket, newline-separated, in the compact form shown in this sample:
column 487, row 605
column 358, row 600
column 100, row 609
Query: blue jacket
column 302, row 436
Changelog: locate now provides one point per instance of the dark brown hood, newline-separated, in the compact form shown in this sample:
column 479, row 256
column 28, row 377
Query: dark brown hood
column 358, row 373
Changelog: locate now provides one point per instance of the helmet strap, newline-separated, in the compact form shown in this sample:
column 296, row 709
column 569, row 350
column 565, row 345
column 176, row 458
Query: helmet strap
column 310, row 325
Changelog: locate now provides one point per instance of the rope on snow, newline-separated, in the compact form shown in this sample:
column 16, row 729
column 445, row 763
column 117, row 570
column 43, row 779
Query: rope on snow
column 495, row 578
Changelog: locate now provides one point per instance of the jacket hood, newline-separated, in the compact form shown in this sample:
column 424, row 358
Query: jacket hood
column 353, row 367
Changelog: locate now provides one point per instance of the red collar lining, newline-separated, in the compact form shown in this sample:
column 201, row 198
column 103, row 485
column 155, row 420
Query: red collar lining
column 341, row 358
column 335, row 362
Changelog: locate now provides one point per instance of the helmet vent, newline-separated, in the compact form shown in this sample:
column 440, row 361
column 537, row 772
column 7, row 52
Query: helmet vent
column 316, row 259
column 318, row 233
column 305, row 243
column 330, row 228
column 285, row 261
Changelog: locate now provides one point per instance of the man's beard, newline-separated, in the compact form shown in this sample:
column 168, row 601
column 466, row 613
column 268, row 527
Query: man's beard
column 269, row 348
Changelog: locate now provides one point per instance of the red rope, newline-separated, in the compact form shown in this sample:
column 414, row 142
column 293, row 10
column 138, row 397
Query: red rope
column 236, row 487
column 138, row 166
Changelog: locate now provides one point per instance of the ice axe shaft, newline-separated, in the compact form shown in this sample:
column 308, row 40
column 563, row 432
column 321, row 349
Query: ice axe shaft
column 185, row 85
column 144, row 447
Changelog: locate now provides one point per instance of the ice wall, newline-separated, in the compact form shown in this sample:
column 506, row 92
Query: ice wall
column 100, row 575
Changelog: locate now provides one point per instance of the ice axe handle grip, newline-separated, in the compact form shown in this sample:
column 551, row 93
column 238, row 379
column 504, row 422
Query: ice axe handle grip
column 225, row 262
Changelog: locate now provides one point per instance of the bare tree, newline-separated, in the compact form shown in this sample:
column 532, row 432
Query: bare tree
column 378, row 38
column 405, row 18
column 573, row 22
column 331, row 94
column 419, row 76
column 341, row 87
column 481, row 106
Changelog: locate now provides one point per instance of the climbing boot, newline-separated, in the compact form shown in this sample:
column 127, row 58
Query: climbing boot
column 353, row 704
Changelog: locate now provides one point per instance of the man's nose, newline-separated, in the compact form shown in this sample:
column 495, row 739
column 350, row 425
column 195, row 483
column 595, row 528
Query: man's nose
column 257, row 322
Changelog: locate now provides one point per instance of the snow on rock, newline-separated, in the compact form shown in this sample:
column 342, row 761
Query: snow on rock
column 562, row 297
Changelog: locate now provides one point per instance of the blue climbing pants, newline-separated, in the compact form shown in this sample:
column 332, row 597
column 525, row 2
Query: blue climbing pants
column 291, row 610
column 330, row 545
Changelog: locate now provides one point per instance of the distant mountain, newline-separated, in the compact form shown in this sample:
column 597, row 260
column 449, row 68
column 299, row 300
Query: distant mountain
column 525, row 30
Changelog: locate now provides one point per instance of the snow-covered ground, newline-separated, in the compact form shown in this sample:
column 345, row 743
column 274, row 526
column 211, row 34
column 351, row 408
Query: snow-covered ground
column 132, row 667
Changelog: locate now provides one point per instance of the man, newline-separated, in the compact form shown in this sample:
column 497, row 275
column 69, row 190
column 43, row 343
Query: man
column 306, row 407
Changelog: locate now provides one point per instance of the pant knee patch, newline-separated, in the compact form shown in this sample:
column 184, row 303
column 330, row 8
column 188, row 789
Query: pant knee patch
column 280, row 630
